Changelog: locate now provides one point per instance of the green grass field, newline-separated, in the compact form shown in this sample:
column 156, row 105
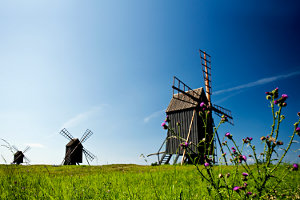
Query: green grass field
column 117, row 182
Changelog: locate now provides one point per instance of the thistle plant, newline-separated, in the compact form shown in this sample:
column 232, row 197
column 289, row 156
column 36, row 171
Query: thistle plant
column 245, row 181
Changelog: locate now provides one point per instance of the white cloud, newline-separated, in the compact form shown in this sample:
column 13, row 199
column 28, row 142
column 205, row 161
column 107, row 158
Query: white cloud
column 153, row 115
column 35, row 145
column 258, row 82
column 81, row 117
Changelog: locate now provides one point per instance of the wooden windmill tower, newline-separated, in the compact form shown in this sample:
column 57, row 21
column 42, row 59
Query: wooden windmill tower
column 184, row 109
column 19, row 156
column 75, row 148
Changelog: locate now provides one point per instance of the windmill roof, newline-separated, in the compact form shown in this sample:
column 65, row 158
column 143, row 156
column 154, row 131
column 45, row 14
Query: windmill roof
column 72, row 142
column 182, row 102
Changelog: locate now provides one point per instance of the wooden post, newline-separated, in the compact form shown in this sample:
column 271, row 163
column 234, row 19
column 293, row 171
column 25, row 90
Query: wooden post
column 187, row 139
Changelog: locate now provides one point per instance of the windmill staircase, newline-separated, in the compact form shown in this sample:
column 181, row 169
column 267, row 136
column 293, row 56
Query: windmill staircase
column 165, row 159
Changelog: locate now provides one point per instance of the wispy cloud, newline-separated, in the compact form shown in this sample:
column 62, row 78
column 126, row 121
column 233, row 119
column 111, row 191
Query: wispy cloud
column 153, row 115
column 81, row 117
column 258, row 82
column 35, row 145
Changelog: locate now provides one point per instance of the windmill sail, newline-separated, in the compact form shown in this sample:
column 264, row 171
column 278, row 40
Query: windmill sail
column 183, row 92
column 66, row 134
column 220, row 111
column 88, row 133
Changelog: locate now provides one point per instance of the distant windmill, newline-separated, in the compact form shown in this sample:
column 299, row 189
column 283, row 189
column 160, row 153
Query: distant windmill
column 19, row 156
column 75, row 148
column 184, row 109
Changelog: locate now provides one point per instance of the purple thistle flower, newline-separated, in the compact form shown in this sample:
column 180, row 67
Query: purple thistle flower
column 249, row 193
column 275, row 102
column 164, row 125
column 250, row 138
column 245, row 174
column 236, row 188
column 186, row 144
column 228, row 135
column 244, row 158
column 284, row 96
column 245, row 184
column 233, row 150
column 295, row 166
column 202, row 104
column 206, row 164
column 298, row 129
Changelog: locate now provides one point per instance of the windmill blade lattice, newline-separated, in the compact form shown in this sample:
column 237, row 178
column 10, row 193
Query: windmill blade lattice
column 26, row 149
column 66, row 134
column 15, row 148
column 206, row 69
column 26, row 159
column 183, row 92
column 88, row 133
column 223, row 111
column 88, row 155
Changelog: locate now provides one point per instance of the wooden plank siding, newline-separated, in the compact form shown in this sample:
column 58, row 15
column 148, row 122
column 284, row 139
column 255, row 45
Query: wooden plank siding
column 182, row 112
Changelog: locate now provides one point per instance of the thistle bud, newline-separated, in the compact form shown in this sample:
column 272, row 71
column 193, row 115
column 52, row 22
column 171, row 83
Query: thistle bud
column 262, row 138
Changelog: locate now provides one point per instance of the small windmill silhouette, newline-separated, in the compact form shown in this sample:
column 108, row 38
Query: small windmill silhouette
column 19, row 156
column 74, row 148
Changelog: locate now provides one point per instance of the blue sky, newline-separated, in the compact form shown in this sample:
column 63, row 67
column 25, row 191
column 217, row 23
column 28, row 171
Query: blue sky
column 108, row 66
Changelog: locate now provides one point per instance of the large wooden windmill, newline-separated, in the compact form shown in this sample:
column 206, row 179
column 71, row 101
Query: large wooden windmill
column 75, row 148
column 19, row 156
column 185, row 121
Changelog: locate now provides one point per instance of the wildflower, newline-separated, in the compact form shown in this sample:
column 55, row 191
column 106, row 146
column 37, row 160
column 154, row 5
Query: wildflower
column 244, row 158
column 178, row 123
column 245, row 184
column 236, row 188
column 268, row 97
column 298, row 129
column 262, row 138
column 279, row 142
column 167, row 118
column 295, row 167
column 202, row 104
column 228, row 135
column 227, row 175
column 283, row 104
column 184, row 145
column 206, row 164
column 249, row 193
column 224, row 143
column 164, row 125
column 245, row 174
column 250, row 138
column 298, row 114
column 224, row 119
column 221, row 176
column 223, row 154
column 249, row 155
column 284, row 96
